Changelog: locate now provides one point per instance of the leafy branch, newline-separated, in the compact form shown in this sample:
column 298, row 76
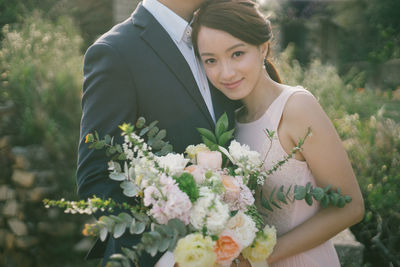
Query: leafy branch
column 326, row 196
column 159, row 239
column 221, row 135
column 151, row 132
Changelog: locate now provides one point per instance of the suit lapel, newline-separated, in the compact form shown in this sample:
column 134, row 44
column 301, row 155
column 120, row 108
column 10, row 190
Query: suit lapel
column 159, row 40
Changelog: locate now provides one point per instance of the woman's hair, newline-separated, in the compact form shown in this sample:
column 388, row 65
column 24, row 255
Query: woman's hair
column 239, row 18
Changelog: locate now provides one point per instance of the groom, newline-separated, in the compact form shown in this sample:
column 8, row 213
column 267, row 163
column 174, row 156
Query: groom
column 144, row 66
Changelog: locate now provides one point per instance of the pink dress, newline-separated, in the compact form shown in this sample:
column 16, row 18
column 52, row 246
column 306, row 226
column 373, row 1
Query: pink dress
column 293, row 172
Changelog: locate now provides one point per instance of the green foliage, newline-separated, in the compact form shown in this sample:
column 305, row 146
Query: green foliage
column 160, row 239
column 187, row 184
column 372, row 141
column 220, row 137
column 41, row 65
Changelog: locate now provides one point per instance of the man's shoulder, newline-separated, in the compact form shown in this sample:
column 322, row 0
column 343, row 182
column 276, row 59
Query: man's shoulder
column 120, row 34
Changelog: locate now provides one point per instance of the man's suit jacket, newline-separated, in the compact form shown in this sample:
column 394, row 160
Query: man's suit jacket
column 135, row 70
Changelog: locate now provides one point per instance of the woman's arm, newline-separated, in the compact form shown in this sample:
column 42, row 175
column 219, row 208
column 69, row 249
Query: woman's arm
column 329, row 163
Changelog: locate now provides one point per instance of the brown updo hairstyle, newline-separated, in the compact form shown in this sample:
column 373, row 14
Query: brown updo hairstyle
column 239, row 18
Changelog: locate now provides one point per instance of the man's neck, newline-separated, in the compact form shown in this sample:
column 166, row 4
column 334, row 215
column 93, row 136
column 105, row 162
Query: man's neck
column 182, row 8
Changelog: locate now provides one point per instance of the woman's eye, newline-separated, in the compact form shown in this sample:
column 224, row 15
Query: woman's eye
column 238, row 53
column 209, row 61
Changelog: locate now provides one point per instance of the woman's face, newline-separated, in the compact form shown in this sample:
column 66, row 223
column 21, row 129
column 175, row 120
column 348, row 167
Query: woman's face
column 232, row 66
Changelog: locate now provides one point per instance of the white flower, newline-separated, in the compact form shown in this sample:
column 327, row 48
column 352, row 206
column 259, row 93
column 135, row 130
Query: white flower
column 210, row 212
column 173, row 164
column 243, row 227
column 240, row 152
column 193, row 150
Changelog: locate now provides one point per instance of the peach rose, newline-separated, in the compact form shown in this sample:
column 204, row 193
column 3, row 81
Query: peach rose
column 209, row 159
column 197, row 172
column 232, row 188
column 226, row 248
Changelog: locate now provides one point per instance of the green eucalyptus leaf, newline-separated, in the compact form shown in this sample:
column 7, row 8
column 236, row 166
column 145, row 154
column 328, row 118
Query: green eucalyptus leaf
column 173, row 241
column 178, row 225
column 116, row 219
column 276, row 204
column 103, row 233
column 125, row 217
column 327, row 188
column 281, row 196
column 112, row 150
column 132, row 226
column 207, row 134
column 341, row 202
column 152, row 249
column 318, row 193
column 119, row 229
column 163, row 244
column 144, row 131
column 158, row 144
column 299, row 192
column 107, row 139
column 117, row 176
column 140, row 122
column 153, row 132
column 309, row 199
column 99, row 144
column 161, row 134
column 108, row 222
column 348, row 199
column 138, row 228
column 325, row 201
column 265, row 203
column 334, row 197
column 165, row 150
column 130, row 254
column 117, row 259
column 225, row 137
column 130, row 189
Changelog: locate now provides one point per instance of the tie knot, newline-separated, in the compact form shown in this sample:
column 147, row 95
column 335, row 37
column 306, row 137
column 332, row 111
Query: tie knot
column 187, row 36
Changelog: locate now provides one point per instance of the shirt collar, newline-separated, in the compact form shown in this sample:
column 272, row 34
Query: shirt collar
column 169, row 20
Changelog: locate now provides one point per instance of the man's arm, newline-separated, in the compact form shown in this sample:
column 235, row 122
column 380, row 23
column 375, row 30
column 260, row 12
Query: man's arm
column 108, row 100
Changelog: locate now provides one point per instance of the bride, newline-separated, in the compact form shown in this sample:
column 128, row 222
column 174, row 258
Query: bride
column 232, row 39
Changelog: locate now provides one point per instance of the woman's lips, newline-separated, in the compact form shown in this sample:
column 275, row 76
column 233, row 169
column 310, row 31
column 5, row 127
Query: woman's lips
column 232, row 85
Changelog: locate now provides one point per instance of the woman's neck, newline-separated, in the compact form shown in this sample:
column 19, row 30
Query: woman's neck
column 261, row 97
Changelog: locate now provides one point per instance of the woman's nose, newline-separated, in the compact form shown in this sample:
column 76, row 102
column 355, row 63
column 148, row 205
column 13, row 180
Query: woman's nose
column 227, row 72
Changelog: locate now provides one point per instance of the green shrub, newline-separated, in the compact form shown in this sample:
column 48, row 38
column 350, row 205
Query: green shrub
column 41, row 72
column 373, row 144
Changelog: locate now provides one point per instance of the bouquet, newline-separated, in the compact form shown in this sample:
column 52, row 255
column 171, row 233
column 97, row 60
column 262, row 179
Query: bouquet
column 198, row 205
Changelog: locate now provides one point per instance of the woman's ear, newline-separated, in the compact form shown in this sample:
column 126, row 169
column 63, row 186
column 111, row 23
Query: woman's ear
column 264, row 48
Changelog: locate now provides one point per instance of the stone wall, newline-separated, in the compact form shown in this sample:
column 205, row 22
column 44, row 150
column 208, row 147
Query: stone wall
column 30, row 234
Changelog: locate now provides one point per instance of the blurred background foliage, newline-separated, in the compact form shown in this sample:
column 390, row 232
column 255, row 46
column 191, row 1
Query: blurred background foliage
column 346, row 52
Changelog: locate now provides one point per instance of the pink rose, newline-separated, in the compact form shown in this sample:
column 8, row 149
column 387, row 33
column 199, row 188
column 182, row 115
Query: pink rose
column 197, row 172
column 209, row 159
column 232, row 188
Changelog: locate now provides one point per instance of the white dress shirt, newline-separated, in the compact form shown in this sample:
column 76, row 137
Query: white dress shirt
column 178, row 28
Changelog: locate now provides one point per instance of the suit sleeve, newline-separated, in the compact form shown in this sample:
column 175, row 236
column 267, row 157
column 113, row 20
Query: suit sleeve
column 108, row 100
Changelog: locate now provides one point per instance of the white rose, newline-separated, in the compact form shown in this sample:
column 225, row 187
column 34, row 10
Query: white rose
column 243, row 227
column 238, row 152
column 174, row 164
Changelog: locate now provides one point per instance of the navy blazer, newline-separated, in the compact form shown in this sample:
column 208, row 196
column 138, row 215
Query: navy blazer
column 135, row 70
